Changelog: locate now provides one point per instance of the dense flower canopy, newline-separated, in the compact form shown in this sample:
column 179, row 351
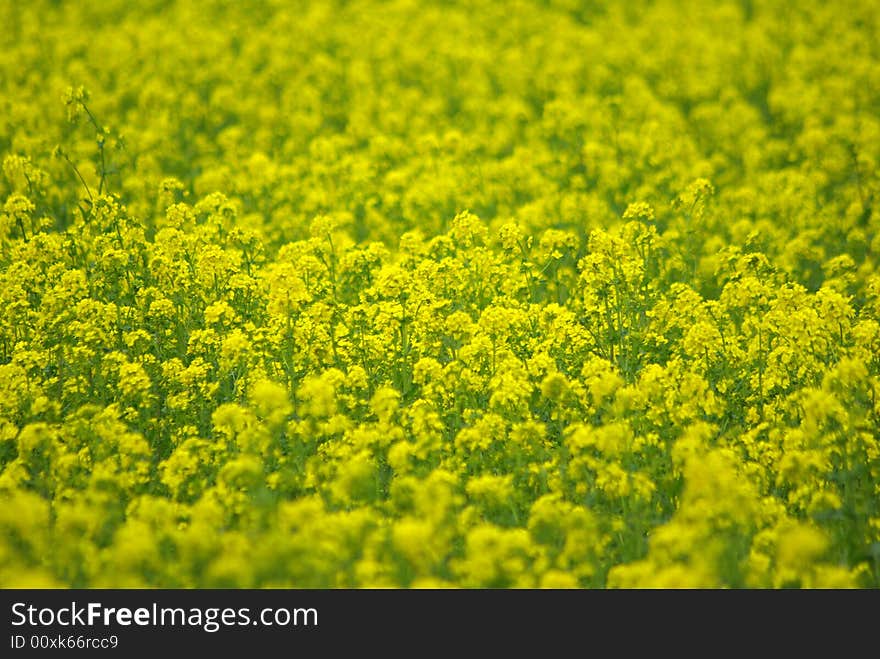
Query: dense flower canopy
column 415, row 294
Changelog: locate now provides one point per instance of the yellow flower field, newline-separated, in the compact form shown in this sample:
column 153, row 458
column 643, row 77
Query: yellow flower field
column 486, row 294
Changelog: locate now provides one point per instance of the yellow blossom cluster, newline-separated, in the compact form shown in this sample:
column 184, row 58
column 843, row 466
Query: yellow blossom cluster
column 540, row 293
